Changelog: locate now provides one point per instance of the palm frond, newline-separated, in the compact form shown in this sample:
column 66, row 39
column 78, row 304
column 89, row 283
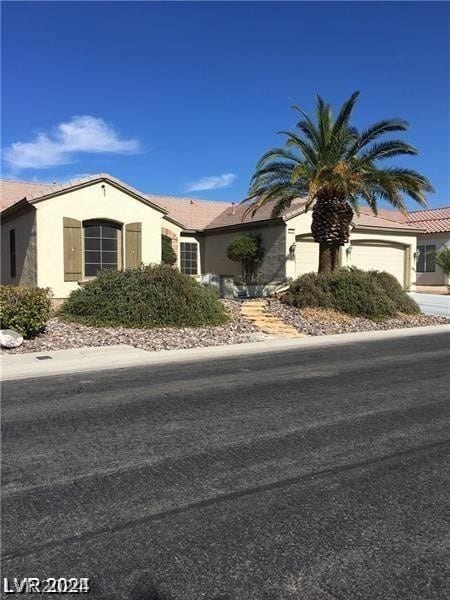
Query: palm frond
column 295, row 141
column 376, row 130
column 344, row 114
column 277, row 153
column 387, row 149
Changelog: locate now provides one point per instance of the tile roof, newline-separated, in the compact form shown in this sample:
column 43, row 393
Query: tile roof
column 433, row 220
column 191, row 213
column 11, row 191
column 233, row 214
column 385, row 219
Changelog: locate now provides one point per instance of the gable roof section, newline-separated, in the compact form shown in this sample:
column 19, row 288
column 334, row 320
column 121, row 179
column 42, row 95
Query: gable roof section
column 13, row 192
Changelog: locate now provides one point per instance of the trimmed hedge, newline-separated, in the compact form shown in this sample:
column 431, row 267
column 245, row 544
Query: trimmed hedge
column 371, row 294
column 24, row 309
column 154, row 296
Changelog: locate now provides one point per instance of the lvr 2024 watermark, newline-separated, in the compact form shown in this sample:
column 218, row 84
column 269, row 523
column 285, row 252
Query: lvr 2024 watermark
column 49, row 585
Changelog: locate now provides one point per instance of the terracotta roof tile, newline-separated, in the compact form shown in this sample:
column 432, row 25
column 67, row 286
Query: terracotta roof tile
column 433, row 220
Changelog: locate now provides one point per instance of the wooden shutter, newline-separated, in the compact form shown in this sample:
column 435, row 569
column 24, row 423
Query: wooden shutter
column 72, row 249
column 133, row 245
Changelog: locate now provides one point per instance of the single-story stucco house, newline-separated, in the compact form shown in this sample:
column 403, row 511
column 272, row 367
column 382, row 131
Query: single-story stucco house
column 59, row 236
column 435, row 236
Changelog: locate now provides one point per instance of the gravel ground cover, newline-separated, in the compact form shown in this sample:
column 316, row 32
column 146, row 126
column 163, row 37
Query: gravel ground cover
column 61, row 335
column 319, row 321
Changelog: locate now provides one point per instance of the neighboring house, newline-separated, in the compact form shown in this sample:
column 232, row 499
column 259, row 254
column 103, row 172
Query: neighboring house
column 435, row 224
column 58, row 236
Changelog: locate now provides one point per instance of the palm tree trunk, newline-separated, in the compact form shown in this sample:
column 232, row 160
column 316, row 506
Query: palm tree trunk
column 328, row 257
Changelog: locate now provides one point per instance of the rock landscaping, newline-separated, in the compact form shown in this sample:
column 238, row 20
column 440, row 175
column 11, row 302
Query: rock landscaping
column 61, row 335
column 321, row 321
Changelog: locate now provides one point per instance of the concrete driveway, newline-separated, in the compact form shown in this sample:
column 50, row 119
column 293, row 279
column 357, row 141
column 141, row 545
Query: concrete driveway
column 433, row 304
column 309, row 474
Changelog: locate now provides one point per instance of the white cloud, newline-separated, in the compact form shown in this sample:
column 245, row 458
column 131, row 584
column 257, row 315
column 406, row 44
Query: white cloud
column 211, row 183
column 81, row 134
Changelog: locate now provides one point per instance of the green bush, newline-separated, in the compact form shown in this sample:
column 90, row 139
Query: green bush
column 168, row 254
column 368, row 294
column 154, row 296
column 390, row 284
column 24, row 309
column 442, row 259
column 246, row 250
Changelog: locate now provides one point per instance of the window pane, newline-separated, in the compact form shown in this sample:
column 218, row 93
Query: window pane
column 430, row 265
column 92, row 244
column 109, row 244
column 100, row 245
column 421, row 261
column 92, row 231
column 188, row 258
column 109, row 232
column 92, row 257
column 91, row 270
column 109, row 257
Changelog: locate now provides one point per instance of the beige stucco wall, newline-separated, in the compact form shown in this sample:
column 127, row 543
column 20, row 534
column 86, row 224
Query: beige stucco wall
column 90, row 202
column 273, row 240
column 440, row 240
column 26, row 262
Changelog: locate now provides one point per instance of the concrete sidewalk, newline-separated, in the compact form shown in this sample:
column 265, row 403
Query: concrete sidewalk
column 42, row 364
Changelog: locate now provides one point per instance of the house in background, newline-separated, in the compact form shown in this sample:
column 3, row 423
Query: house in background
column 435, row 236
column 59, row 236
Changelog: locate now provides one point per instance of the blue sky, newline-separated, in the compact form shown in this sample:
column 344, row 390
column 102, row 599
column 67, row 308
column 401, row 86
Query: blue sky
column 183, row 98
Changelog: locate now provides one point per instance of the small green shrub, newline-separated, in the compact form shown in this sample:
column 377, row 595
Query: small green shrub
column 442, row 259
column 368, row 294
column 214, row 289
column 24, row 309
column 246, row 250
column 154, row 296
column 168, row 254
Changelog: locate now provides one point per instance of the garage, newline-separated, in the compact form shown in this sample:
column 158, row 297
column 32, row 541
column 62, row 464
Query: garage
column 306, row 256
column 380, row 257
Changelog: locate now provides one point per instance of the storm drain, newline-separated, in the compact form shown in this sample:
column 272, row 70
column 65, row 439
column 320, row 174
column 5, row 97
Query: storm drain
column 45, row 357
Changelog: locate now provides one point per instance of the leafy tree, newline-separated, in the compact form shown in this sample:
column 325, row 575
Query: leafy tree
column 442, row 259
column 336, row 167
column 247, row 250
column 168, row 254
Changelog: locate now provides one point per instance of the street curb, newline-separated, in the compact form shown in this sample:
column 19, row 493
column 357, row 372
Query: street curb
column 84, row 360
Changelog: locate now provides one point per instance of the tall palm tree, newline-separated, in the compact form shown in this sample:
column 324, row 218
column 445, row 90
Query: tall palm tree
column 336, row 167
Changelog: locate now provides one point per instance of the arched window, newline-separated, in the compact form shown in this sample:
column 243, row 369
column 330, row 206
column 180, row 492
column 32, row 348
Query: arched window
column 101, row 246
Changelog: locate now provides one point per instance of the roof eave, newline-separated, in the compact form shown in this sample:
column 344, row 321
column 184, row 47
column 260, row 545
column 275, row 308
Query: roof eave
column 90, row 181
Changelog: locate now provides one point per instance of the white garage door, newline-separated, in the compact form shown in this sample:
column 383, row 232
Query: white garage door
column 379, row 258
column 306, row 256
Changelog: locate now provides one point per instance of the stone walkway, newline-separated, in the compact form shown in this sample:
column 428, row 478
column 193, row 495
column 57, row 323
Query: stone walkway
column 254, row 310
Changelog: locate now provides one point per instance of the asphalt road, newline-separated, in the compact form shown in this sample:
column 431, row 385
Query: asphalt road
column 314, row 474
column 433, row 304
